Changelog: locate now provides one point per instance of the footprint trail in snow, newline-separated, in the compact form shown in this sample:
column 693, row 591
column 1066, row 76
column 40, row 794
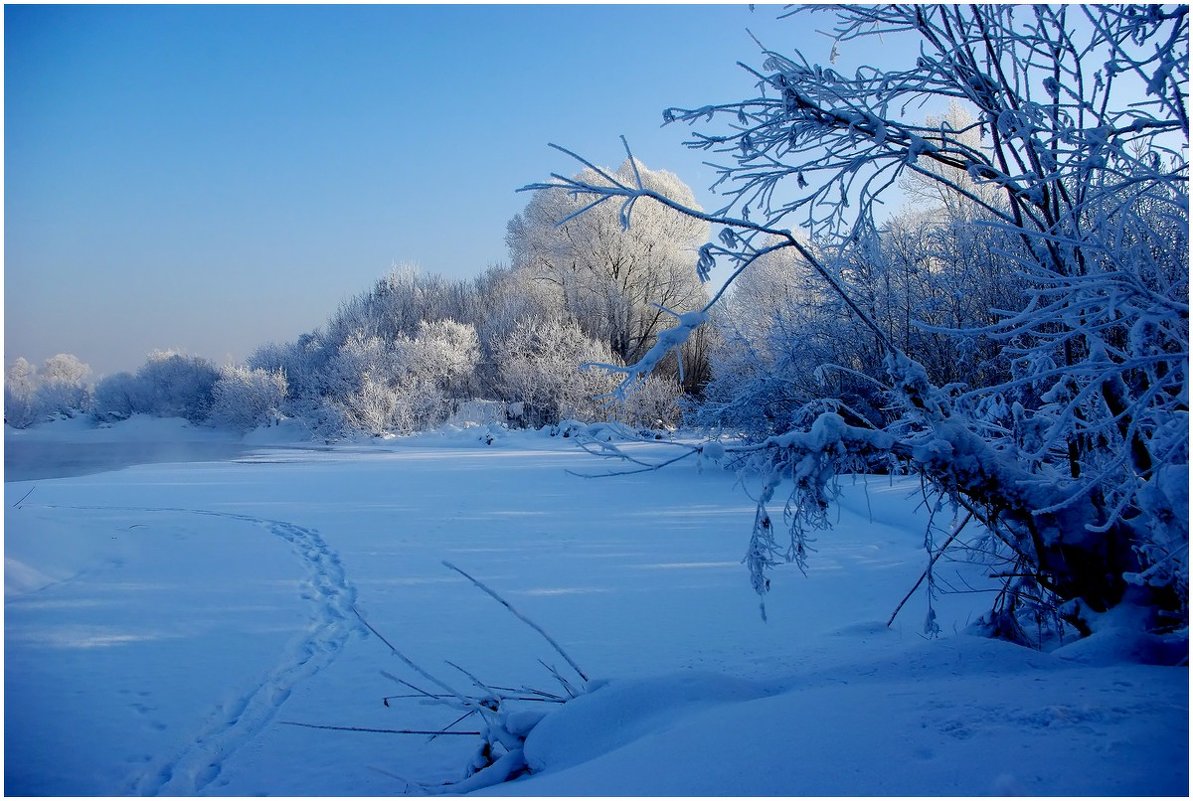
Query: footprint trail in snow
column 237, row 721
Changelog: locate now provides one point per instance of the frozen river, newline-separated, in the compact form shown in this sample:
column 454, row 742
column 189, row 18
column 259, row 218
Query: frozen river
column 168, row 624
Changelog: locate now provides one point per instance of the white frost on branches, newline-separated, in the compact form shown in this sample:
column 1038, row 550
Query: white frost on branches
column 1070, row 447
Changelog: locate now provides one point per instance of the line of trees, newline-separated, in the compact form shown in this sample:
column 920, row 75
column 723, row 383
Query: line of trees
column 405, row 355
column 168, row 384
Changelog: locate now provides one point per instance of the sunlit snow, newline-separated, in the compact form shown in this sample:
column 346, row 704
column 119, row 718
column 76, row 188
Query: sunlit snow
column 165, row 623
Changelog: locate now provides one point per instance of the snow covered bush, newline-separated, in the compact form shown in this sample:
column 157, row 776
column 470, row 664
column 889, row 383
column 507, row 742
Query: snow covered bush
column 117, row 397
column 401, row 356
column 652, row 403
column 306, row 363
column 1071, row 459
column 443, row 353
column 173, row 384
column 404, row 384
column 775, row 331
column 540, row 368
column 169, row 384
column 244, row 398
column 372, row 406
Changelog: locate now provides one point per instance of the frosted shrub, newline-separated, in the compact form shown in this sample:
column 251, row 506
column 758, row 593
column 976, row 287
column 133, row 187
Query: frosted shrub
column 244, row 398
column 539, row 365
column 653, row 402
column 444, row 353
column 436, row 366
column 403, row 384
column 305, row 363
column 371, row 407
column 420, row 405
column 176, row 385
column 776, row 329
column 118, row 397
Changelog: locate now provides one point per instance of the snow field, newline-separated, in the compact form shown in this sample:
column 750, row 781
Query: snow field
column 164, row 622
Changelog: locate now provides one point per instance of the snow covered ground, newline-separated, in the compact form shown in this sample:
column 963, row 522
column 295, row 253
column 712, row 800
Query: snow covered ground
column 166, row 622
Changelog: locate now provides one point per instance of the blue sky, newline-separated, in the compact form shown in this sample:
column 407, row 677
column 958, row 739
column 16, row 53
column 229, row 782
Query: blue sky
column 210, row 178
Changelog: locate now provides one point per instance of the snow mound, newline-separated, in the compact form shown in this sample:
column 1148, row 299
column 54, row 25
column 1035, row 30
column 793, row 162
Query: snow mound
column 1121, row 637
column 20, row 578
column 918, row 720
column 617, row 713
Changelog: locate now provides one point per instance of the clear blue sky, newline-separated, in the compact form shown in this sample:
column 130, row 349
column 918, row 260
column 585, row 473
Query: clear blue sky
column 211, row 178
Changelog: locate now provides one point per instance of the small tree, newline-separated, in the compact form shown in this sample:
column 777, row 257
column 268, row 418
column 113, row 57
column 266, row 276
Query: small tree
column 444, row 353
column 1077, row 463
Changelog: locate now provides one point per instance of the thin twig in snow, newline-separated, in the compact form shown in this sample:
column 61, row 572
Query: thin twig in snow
column 409, row 662
column 444, row 730
column 417, row 689
column 17, row 505
column 571, row 691
column 520, row 616
column 472, row 677
column 374, row 731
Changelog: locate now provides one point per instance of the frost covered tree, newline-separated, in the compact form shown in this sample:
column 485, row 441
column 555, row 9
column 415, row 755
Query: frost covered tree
column 615, row 282
column 443, row 353
column 63, row 389
column 501, row 298
column 168, row 384
column 652, row 403
column 59, row 389
column 1076, row 462
column 402, row 384
column 118, row 397
column 540, row 369
column 244, row 398
column 423, row 341
column 22, row 407
column 404, row 355
column 398, row 303
column 173, row 384
column 775, row 330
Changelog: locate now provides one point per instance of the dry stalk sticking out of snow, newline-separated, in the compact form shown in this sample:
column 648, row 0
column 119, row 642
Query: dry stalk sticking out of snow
column 502, row 730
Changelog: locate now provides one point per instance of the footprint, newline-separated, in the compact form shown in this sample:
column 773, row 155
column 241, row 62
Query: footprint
column 206, row 776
